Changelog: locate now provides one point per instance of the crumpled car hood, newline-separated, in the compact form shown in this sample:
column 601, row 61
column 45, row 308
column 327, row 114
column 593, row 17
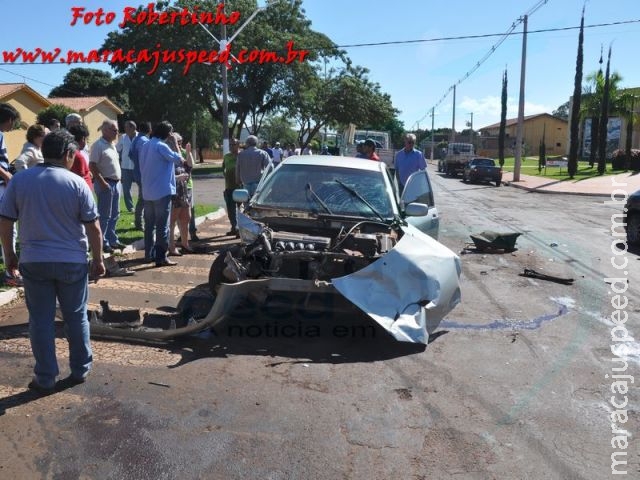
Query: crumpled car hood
column 410, row 289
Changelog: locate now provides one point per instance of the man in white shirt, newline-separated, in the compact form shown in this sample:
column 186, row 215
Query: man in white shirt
column 126, row 163
column 278, row 154
column 105, row 168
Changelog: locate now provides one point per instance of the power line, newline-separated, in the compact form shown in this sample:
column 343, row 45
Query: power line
column 471, row 37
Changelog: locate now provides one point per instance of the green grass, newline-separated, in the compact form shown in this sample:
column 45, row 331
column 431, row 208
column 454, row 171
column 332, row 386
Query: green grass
column 208, row 170
column 125, row 228
column 529, row 166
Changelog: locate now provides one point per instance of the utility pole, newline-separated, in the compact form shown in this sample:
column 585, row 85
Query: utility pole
column 432, row 132
column 471, row 129
column 223, row 43
column 452, row 137
column 519, row 131
column 225, row 93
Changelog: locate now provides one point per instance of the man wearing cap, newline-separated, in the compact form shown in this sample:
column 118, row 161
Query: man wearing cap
column 277, row 154
column 369, row 150
column 408, row 160
column 104, row 163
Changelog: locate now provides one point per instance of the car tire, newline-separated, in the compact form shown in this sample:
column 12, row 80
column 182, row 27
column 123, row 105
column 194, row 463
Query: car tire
column 216, row 276
column 633, row 229
column 498, row 183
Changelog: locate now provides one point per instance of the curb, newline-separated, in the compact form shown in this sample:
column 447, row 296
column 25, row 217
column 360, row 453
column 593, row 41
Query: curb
column 11, row 294
column 553, row 192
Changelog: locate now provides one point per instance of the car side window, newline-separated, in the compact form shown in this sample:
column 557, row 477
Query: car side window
column 418, row 189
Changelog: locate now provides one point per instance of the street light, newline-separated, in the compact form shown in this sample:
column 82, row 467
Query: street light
column 222, row 43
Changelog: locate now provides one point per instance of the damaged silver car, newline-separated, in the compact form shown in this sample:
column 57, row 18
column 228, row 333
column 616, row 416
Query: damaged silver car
column 334, row 233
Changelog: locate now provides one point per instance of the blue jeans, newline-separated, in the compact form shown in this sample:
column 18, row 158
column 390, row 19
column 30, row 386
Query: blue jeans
column 139, row 207
column 251, row 187
column 127, row 181
column 109, row 210
column 68, row 282
column 156, row 220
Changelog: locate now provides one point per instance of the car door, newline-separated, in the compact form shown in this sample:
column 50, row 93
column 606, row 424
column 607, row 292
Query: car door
column 418, row 190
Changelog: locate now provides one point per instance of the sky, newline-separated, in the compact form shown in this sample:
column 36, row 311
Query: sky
column 418, row 76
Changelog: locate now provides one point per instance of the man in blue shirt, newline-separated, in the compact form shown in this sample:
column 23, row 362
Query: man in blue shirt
column 144, row 130
column 157, row 173
column 8, row 117
column 53, row 256
column 409, row 160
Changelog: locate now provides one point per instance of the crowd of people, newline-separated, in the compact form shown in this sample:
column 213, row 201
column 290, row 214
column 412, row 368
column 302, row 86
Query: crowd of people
column 80, row 187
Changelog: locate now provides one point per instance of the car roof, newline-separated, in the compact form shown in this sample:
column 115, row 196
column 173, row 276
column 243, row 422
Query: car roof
column 340, row 162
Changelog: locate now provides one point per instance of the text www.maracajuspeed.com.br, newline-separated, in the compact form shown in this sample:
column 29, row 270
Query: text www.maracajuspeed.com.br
column 156, row 56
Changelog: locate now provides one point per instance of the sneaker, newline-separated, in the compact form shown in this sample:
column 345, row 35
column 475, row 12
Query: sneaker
column 39, row 389
column 194, row 237
column 13, row 280
column 119, row 245
column 107, row 249
column 166, row 263
column 69, row 382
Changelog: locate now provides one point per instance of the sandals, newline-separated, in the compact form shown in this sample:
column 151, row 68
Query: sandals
column 175, row 253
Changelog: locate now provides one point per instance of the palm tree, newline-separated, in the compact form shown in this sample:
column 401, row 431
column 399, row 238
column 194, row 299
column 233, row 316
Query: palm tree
column 591, row 108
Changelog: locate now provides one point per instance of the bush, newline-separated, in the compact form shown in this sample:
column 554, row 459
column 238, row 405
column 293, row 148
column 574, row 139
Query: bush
column 619, row 160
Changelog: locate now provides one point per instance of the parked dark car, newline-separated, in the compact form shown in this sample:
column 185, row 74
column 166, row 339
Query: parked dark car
column 632, row 211
column 482, row 170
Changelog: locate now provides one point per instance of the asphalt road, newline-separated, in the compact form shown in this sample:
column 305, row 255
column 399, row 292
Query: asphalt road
column 513, row 385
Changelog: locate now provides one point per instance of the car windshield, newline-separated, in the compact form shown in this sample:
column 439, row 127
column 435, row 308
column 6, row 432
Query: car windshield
column 319, row 189
column 483, row 162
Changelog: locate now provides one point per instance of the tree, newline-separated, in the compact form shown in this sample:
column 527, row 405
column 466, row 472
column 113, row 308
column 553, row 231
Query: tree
column 591, row 106
column 90, row 82
column 563, row 110
column 542, row 150
column 59, row 112
column 279, row 129
column 503, row 120
column 604, row 120
column 255, row 90
column 574, row 126
column 345, row 97
column 626, row 108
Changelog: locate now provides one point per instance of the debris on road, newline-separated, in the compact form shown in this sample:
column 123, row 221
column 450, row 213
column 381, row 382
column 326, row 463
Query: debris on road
column 541, row 276
column 492, row 242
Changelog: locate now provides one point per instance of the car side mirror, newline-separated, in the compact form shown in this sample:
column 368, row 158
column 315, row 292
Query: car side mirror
column 416, row 210
column 240, row 195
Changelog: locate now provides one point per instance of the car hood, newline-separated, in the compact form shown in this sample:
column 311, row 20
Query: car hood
column 409, row 290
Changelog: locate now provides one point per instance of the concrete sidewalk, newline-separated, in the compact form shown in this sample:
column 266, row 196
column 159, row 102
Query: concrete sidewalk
column 599, row 186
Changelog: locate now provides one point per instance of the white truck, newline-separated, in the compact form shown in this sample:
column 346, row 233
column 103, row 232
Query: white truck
column 457, row 157
column 351, row 137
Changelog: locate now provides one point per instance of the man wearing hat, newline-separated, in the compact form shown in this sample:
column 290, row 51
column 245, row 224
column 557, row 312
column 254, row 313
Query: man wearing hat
column 369, row 150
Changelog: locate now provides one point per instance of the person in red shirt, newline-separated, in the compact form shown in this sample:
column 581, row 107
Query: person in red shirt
column 369, row 149
column 80, row 160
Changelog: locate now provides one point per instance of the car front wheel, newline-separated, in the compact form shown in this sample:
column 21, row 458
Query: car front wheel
column 633, row 229
column 216, row 275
